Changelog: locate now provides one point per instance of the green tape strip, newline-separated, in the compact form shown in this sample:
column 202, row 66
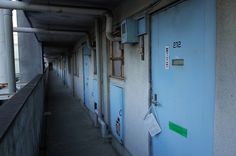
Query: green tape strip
column 178, row 129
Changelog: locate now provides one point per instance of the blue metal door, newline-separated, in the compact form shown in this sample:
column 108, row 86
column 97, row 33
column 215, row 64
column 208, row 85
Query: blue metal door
column 183, row 78
column 116, row 111
column 86, row 66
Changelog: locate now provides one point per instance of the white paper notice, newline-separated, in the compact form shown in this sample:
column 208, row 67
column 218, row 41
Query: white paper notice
column 152, row 125
column 167, row 57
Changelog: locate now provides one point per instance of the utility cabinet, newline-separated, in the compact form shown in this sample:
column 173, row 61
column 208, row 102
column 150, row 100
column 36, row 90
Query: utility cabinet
column 116, row 111
column 129, row 31
column 142, row 26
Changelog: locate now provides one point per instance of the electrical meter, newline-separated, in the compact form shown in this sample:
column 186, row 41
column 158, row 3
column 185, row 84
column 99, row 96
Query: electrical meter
column 129, row 31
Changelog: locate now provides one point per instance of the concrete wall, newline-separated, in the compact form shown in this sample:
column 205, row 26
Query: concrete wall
column 136, row 99
column 69, row 72
column 129, row 8
column 21, row 134
column 78, row 80
column 75, row 82
column 91, row 77
column 136, row 84
column 30, row 52
column 225, row 107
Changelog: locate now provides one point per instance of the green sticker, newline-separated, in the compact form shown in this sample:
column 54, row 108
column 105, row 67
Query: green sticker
column 178, row 129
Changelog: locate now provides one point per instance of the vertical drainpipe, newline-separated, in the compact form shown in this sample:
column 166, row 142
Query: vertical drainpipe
column 9, row 48
column 99, row 64
column 111, row 38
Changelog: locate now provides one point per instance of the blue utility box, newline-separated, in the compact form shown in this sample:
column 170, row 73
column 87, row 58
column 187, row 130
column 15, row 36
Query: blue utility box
column 142, row 26
column 129, row 31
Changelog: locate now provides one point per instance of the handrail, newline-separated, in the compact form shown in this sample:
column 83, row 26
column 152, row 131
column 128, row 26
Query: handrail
column 12, row 108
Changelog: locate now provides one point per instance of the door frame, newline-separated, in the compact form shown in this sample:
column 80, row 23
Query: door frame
column 150, row 15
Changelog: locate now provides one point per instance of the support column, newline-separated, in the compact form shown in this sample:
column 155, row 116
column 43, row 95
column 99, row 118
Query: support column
column 99, row 64
column 3, row 63
column 9, row 49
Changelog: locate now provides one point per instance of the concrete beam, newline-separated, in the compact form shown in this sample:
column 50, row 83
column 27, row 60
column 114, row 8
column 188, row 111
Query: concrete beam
column 17, row 5
column 46, row 31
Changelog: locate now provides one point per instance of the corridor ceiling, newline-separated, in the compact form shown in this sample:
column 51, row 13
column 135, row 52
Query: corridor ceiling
column 58, row 43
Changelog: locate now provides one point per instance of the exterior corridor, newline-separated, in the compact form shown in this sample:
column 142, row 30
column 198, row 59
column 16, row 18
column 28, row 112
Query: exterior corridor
column 69, row 130
column 117, row 77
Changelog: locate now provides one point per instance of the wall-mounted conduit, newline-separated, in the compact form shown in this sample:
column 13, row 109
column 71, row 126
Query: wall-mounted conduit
column 109, row 34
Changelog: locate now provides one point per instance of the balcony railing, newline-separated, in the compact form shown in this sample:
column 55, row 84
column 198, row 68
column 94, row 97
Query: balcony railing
column 21, row 119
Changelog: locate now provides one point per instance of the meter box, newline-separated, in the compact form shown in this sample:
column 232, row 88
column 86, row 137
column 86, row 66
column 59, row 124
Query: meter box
column 142, row 26
column 129, row 31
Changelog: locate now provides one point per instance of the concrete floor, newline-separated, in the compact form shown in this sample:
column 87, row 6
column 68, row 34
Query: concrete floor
column 69, row 130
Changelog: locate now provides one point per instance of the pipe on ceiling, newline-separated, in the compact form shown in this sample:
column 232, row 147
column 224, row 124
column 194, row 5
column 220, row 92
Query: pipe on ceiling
column 17, row 5
column 61, row 9
column 45, row 31
column 109, row 34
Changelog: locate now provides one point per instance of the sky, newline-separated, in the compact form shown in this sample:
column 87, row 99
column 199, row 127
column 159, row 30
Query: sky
column 16, row 51
column 14, row 18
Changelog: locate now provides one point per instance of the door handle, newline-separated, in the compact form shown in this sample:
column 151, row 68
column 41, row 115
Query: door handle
column 155, row 101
